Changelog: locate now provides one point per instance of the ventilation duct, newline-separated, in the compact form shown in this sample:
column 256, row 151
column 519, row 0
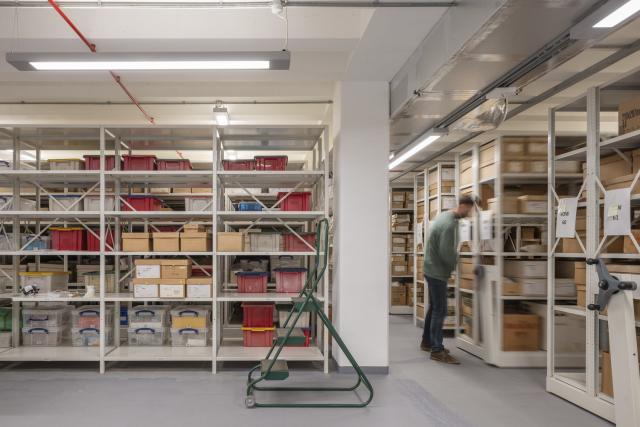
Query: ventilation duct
column 486, row 117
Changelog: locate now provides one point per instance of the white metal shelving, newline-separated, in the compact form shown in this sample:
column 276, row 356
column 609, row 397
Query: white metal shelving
column 28, row 180
column 401, row 278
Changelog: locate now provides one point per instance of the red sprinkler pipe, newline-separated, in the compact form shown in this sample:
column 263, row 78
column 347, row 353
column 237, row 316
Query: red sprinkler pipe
column 92, row 48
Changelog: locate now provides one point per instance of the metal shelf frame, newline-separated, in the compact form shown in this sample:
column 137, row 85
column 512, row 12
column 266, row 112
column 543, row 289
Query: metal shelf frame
column 400, row 309
column 29, row 179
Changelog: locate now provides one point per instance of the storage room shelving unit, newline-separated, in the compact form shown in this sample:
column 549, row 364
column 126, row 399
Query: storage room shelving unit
column 28, row 178
column 407, row 254
column 495, row 173
column 434, row 193
column 611, row 162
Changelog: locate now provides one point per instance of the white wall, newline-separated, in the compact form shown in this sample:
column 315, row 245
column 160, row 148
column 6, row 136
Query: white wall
column 361, row 239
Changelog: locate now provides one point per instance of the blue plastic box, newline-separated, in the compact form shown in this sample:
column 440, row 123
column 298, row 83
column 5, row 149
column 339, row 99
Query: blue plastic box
column 249, row 206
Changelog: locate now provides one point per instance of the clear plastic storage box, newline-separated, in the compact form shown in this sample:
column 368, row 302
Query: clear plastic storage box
column 189, row 337
column 190, row 316
column 147, row 336
column 66, row 164
column 148, row 316
column 90, row 337
column 65, row 203
column 283, row 313
column 88, row 316
column 92, row 203
column 45, row 316
column 197, row 204
column 43, row 337
column 265, row 242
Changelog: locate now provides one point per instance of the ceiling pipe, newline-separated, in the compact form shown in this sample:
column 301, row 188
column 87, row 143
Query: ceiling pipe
column 92, row 48
column 224, row 5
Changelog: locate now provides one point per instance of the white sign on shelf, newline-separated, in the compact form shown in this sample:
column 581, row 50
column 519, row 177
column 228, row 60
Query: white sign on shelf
column 420, row 233
column 617, row 212
column 486, row 225
column 566, row 219
column 464, row 230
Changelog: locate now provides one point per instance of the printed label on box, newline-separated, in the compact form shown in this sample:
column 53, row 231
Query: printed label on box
column 171, row 291
column 148, row 271
column 464, row 230
column 145, row 291
column 199, row 291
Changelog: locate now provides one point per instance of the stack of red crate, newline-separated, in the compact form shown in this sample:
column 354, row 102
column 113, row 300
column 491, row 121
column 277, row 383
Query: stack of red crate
column 257, row 324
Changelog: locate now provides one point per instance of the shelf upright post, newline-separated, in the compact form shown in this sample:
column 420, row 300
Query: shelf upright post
column 551, row 237
column 593, row 213
column 15, row 312
column 116, row 242
column 102, row 254
column 215, row 273
column 38, row 158
column 456, row 287
column 475, row 249
column 497, row 304
column 414, row 252
column 325, row 288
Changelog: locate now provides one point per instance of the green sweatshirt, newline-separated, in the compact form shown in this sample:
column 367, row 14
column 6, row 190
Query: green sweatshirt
column 441, row 251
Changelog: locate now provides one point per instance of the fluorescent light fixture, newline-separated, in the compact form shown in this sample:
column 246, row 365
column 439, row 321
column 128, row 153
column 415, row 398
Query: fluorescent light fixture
column 619, row 15
column 417, row 147
column 130, row 61
column 221, row 114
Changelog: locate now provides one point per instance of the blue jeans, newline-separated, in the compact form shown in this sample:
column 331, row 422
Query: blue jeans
column 434, row 320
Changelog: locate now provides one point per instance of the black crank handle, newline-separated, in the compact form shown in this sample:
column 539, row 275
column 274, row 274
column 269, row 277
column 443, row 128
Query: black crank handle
column 594, row 307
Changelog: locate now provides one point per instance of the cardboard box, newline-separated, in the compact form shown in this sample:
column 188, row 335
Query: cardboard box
column 629, row 247
column 513, row 148
column 447, row 174
column 466, row 283
column 466, row 267
column 174, row 288
column 195, row 241
column 532, row 204
column 581, row 295
column 466, row 176
column 565, row 269
column 487, row 172
column 230, row 242
column 525, row 268
column 629, row 116
column 520, row 332
column 614, row 166
column 509, row 205
column 537, row 147
column 580, row 273
column 193, row 227
column 400, row 270
column 199, row 287
column 606, row 383
column 398, row 197
column 514, row 166
column 623, row 181
column 201, row 190
column 570, row 246
column 166, row 242
column 398, row 295
column 487, row 154
column 145, row 290
column 147, row 268
column 510, row 287
column 175, row 268
column 397, row 205
column 136, row 242
column 536, row 166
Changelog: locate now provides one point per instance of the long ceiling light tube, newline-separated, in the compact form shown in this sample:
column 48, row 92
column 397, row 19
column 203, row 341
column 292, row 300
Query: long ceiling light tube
column 414, row 149
column 624, row 12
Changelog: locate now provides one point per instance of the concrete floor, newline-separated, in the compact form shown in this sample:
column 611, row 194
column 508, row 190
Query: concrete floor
column 417, row 392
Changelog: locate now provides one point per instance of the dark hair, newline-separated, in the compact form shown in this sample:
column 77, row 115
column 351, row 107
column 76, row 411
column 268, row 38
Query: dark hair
column 468, row 200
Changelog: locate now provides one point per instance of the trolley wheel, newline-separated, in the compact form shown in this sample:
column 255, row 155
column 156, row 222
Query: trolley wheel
column 250, row 402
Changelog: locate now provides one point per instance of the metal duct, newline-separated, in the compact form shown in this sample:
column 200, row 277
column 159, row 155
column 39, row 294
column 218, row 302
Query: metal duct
column 484, row 118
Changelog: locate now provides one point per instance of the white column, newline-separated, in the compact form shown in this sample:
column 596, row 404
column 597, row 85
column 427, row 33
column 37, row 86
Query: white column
column 361, row 237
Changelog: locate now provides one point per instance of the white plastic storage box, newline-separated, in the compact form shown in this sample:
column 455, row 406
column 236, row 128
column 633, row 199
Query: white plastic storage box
column 6, row 204
column 265, row 242
column 147, row 336
column 283, row 313
column 42, row 336
column 92, row 203
column 65, row 203
column 45, row 281
column 66, row 164
column 88, row 316
column 90, row 337
column 148, row 316
column 45, row 316
column 40, row 243
column 197, row 203
column 189, row 337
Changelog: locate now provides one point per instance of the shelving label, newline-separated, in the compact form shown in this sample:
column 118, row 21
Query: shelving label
column 566, row 220
column 617, row 209
column 486, row 225
column 464, row 230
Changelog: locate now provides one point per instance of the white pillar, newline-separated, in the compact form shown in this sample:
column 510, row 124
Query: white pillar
column 361, row 236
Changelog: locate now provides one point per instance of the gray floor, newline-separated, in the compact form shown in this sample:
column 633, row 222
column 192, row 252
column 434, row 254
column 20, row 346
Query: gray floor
column 417, row 392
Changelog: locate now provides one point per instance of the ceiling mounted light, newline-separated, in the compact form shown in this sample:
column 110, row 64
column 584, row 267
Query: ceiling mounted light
column 221, row 113
column 619, row 15
column 130, row 61
column 416, row 147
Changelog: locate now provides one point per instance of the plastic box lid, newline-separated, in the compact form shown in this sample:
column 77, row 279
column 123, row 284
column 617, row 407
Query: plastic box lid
column 251, row 273
column 43, row 273
column 291, row 270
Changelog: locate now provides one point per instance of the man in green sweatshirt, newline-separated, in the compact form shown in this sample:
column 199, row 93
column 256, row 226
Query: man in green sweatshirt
column 440, row 259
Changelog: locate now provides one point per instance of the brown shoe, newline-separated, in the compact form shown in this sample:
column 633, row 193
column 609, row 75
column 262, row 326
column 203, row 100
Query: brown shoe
column 425, row 347
column 444, row 357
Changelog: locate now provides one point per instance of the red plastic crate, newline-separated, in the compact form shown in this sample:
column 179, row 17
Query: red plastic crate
column 257, row 337
column 67, row 239
column 257, row 315
column 252, row 282
column 293, row 244
column 139, row 163
column 93, row 243
column 142, row 203
column 174, row 165
column 290, row 280
column 298, row 202
column 93, row 163
column 239, row 165
column 271, row 163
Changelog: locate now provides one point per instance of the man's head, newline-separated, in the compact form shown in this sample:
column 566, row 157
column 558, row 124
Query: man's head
column 465, row 206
